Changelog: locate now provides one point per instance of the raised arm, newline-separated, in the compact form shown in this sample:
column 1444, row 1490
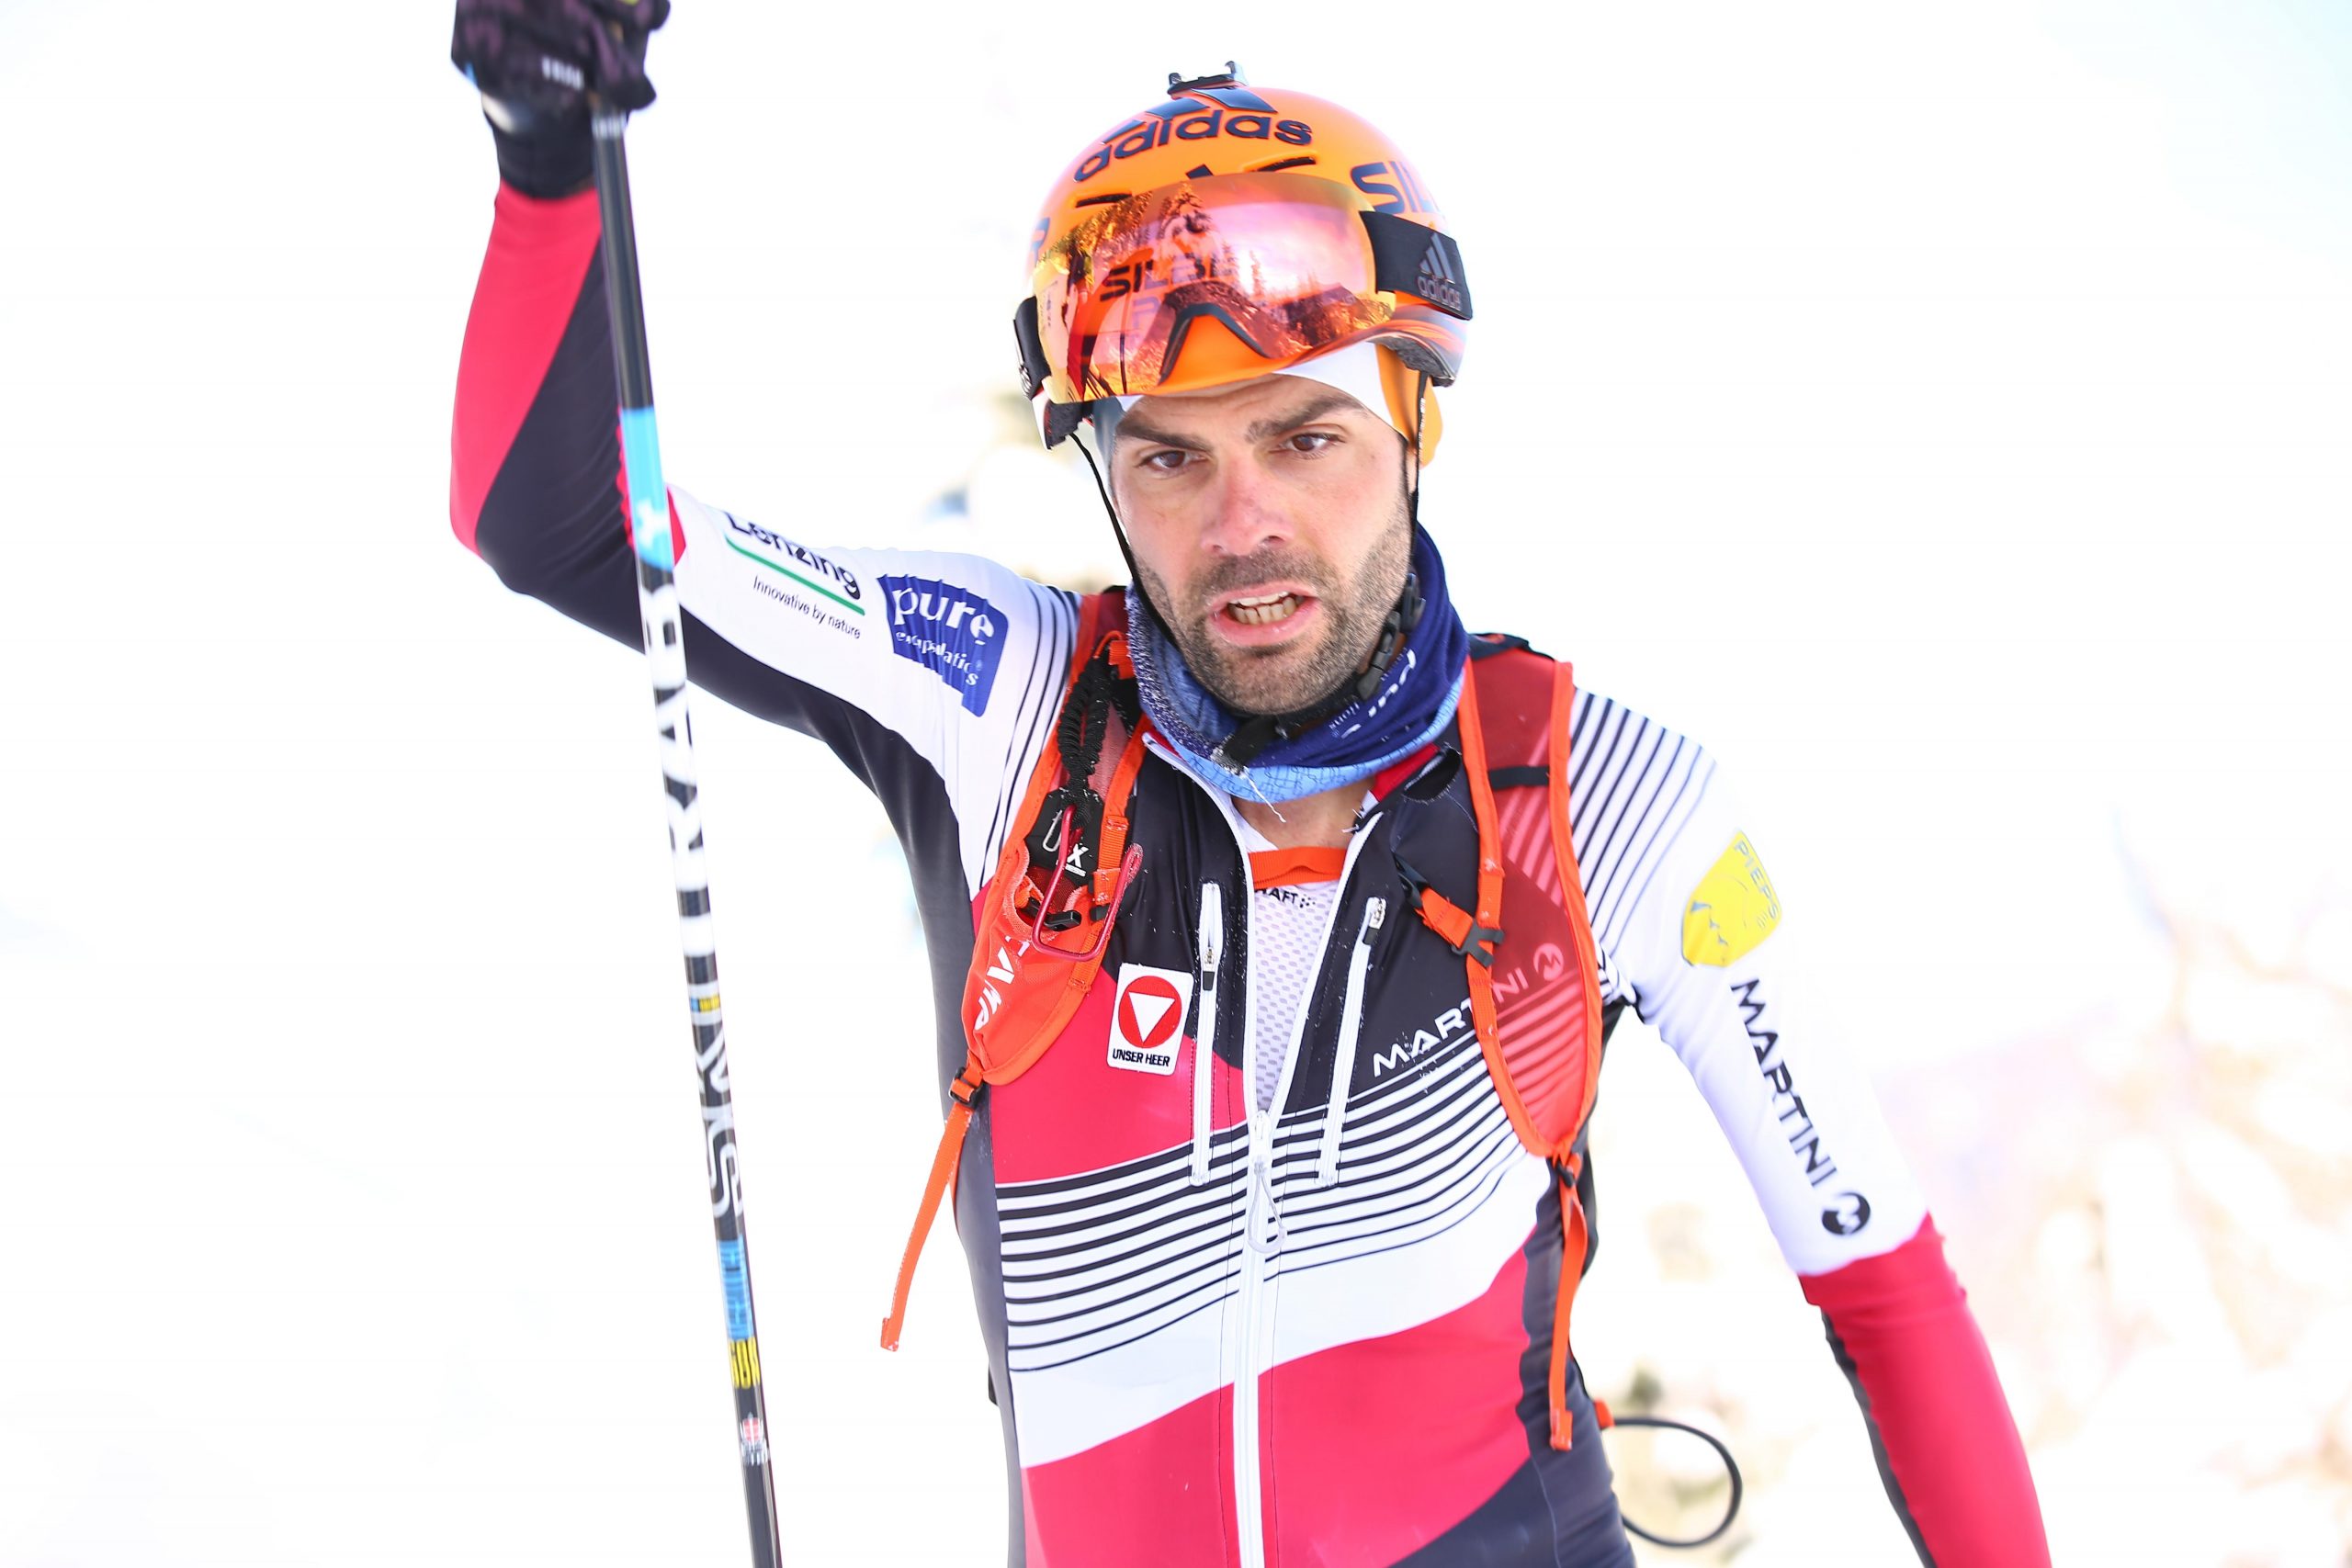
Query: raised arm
column 931, row 676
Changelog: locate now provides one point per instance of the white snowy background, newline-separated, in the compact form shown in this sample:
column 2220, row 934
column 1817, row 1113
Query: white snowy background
column 1944, row 413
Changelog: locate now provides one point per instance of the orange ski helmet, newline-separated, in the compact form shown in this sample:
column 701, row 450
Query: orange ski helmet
column 1232, row 232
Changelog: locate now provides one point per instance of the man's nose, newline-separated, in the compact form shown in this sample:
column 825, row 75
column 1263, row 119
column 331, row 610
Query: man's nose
column 1248, row 515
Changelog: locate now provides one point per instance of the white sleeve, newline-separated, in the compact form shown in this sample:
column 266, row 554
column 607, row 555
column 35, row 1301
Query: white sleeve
column 1692, row 933
column 960, row 657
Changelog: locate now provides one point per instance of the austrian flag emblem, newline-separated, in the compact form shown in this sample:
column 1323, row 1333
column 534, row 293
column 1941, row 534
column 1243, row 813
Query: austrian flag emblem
column 1148, row 1018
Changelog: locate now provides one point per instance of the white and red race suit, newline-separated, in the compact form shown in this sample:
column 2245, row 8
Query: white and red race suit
column 1362, row 1381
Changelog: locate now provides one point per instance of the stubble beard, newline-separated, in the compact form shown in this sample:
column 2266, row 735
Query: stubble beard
column 1283, row 680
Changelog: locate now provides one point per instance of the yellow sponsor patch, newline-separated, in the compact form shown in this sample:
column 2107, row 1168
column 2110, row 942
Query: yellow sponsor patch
column 1732, row 910
column 745, row 1353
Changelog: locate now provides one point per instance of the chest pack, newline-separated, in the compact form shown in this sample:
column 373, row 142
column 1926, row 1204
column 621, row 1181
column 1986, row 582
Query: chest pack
column 1046, row 915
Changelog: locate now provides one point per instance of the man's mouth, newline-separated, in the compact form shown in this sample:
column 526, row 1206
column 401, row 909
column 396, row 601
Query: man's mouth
column 1262, row 609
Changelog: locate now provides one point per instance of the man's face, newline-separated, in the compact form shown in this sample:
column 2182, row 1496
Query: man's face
column 1270, row 528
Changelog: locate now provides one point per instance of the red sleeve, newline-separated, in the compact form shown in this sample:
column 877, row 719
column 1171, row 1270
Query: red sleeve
column 531, row 279
column 1947, row 1445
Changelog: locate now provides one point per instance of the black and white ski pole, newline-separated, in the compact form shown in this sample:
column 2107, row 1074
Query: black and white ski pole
column 657, row 598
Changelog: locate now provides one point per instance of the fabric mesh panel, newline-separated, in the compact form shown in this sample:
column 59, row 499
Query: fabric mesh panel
column 1285, row 936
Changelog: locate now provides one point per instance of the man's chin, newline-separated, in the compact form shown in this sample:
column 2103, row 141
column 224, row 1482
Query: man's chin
column 1259, row 688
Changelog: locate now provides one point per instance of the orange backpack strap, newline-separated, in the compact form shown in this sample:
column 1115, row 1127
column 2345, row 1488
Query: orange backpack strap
column 1576, row 1242
column 1542, row 1043
column 1529, row 934
column 942, row 1176
column 1046, row 916
column 1044, row 923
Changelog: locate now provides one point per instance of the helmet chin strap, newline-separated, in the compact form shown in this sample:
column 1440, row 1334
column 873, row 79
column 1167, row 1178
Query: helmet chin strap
column 1118, row 530
column 1258, row 731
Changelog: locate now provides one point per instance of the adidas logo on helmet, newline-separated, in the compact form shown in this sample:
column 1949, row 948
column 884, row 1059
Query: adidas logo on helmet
column 1441, row 281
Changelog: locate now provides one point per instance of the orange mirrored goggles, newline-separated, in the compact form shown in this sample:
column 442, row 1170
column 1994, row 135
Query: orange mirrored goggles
column 1219, row 278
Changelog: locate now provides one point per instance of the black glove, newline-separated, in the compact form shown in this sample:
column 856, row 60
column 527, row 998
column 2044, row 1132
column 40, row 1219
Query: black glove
column 536, row 61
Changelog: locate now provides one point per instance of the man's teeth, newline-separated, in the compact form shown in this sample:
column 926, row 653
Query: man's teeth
column 1264, row 610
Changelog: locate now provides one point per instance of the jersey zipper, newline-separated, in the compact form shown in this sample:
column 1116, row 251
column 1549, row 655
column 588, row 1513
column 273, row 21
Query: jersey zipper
column 1343, row 1071
column 1250, row 1351
column 1212, row 930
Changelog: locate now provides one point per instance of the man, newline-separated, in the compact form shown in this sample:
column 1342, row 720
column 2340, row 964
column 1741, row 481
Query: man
column 1268, row 1063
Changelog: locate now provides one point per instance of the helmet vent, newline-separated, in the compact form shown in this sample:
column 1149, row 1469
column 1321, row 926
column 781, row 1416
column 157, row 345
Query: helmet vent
column 1102, row 198
column 1268, row 169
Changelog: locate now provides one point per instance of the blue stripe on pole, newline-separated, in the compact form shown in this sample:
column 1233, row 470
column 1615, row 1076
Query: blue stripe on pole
column 648, row 501
column 737, row 1277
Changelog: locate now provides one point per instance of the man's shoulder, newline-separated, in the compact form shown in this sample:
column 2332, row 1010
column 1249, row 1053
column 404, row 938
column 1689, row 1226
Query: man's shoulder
column 1598, row 721
column 1602, row 720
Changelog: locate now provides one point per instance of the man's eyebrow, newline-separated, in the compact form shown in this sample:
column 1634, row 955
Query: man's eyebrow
column 1314, row 409
column 1132, row 428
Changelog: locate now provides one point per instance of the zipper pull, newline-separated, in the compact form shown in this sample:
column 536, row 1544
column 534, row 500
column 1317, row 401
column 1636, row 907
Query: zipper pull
column 1204, row 1034
column 1261, row 1227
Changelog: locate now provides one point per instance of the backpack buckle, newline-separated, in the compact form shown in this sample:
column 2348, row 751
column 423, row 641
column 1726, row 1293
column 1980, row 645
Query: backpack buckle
column 1479, row 943
column 1451, row 923
column 1131, row 862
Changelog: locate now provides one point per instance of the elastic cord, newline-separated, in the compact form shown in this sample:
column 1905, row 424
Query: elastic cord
column 1731, row 1469
column 1118, row 530
column 1421, row 423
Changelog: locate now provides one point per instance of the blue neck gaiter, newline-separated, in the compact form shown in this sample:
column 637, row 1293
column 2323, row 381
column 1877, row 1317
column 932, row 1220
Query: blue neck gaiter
column 1411, row 707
